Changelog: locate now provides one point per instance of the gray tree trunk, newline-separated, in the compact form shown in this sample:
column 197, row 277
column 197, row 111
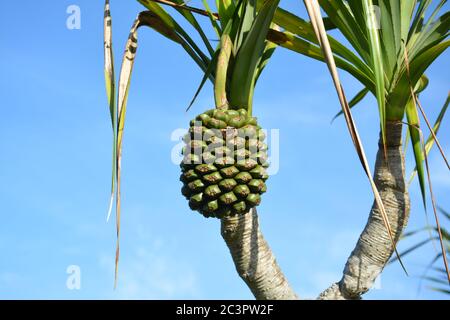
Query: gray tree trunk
column 254, row 260
column 374, row 248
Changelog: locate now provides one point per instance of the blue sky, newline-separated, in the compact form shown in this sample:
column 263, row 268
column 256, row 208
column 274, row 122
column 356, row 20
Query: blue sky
column 55, row 167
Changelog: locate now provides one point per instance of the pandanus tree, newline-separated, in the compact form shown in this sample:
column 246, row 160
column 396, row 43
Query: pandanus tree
column 225, row 157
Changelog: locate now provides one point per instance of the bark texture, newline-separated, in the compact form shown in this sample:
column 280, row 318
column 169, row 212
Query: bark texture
column 374, row 248
column 254, row 260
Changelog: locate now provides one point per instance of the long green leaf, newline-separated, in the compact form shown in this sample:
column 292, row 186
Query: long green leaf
column 435, row 32
column 187, row 14
column 226, row 10
column 170, row 22
column 247, row 11
column 212, row 19
column 377, row 64
column 345, row 21
column 417, row 22
column 399, row 94
column 389, row 32
column 268, row 51
column 414, row 127
column 244, row 71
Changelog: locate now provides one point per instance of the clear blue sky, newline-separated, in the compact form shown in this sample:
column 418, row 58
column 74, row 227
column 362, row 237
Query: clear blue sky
column 55, row 142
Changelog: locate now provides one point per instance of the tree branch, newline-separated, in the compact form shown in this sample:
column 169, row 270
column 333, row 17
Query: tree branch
column 253, row 258
column 374, row 247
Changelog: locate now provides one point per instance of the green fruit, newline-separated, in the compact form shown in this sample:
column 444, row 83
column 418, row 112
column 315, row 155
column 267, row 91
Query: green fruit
column 211, row 206
column 223, row 162
column 261, row 157
column 210, row 134
column 255, row 145
column 241, row 191
column 191, row 159
column 246, row 164
column 243, row 154
column 209, row 112
column 205, row 168
column 186, row 192
column 196, row 185
column 240, row 207
column 213, row 191
column 195, row 133
column 243, row 112
column 257, row 185
column 233, row 113
column 197, row 145
column 237, row 121
column 261, row 135
column 212, row 177
column 220, row 115
column 228, row 198
column 217, row 124
column 222, row 151
column 259, row 173
column 248, row 131
column 243, row 177
column 229, row 172
column 189, row 175
column 253, row 199
column 223, row 170
column 196, row 201
column 223, row 211
column 237, row 142
column 204, row 118
column 227, row 184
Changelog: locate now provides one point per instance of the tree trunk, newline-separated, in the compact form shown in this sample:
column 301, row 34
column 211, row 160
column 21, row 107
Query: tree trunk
column 253, row 258
column 374, row 247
